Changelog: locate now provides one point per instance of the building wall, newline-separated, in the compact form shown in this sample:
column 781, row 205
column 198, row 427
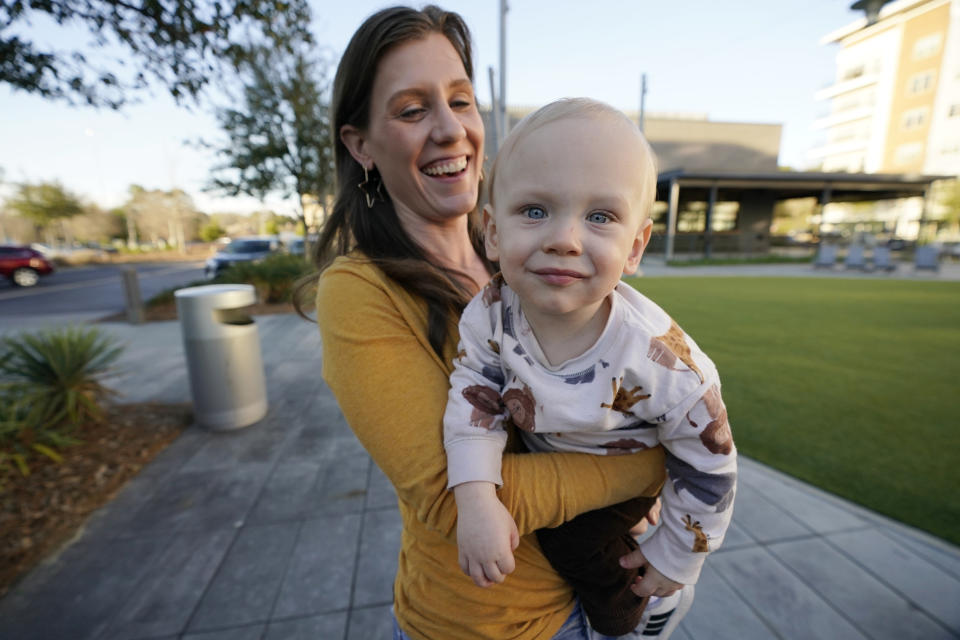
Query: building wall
column 703, row 145
column 914, row 89
column 754, row 220
column 892, row 104
column 692, row 143
column 943, row 151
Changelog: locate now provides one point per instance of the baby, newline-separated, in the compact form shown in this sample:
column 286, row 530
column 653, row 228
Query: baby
column 577, row 360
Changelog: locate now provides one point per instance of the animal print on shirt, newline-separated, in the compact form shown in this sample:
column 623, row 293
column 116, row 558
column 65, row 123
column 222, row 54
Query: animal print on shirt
column 522, row 407
column 665, row 350
column 716, row 435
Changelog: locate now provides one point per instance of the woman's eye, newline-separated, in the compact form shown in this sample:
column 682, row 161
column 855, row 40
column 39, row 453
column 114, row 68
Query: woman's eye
column 534, row 213
column 599, row 217
column 412, row 112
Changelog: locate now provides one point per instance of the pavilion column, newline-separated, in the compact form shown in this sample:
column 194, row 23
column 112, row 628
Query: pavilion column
column 825, row 197
column 673, row 203
column 922, row 223
column 708, row 223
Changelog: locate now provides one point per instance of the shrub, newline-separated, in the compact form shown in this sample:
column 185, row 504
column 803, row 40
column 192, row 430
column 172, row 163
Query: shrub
column 274, row 277
column 50, row 385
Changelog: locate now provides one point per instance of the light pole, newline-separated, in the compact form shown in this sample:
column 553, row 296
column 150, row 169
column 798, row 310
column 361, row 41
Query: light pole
column 504, row 125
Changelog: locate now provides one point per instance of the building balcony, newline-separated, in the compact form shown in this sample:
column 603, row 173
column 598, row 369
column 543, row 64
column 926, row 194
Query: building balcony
column 846, row 86
column 838, row 148
column 842, row 117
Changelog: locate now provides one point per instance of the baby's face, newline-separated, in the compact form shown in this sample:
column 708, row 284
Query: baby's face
column 567, row 219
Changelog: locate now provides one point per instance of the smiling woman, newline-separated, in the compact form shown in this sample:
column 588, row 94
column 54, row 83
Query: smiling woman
column 425, row 135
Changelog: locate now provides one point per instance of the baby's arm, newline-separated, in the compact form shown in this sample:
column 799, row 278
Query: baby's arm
column 697, row 499
column 486, row 534
column 474, row 439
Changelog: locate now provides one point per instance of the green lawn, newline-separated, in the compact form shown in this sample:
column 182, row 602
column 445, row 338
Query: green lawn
column 851, row 385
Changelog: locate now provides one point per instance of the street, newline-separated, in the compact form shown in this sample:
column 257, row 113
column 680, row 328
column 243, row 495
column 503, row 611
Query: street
column 96, row 289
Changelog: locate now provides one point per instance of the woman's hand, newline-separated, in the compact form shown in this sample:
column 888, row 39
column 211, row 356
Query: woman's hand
column 486, row 534
column 652, row 518
column 652, row 582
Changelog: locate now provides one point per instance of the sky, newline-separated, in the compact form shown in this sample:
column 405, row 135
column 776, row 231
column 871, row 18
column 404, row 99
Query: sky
column 733, row 61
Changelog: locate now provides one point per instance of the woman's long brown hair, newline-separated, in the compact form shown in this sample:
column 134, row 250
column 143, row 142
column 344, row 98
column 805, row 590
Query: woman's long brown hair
column 376, row 231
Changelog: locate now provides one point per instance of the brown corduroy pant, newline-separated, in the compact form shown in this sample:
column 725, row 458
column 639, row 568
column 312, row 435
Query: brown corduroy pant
column 586, row 552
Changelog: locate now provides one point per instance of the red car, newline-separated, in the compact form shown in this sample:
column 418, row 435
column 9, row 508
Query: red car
column 23, row 265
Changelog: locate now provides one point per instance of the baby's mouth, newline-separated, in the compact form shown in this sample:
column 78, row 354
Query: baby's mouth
column 447, row 167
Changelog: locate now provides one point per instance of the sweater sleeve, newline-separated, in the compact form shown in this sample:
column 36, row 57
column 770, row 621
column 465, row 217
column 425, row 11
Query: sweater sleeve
column 473, row 431
column 392, row 390
column 701, row 463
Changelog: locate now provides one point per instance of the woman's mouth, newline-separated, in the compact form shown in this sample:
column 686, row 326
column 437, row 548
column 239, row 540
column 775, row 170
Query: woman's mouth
column 444, row 168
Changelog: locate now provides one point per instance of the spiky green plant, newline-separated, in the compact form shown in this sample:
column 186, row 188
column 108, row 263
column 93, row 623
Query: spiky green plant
column 51, row 383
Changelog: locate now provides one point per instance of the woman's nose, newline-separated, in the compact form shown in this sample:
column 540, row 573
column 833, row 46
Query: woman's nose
column 447, row 126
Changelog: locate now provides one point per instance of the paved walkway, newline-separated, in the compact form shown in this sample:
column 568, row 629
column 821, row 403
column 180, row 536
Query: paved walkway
column 286, row 530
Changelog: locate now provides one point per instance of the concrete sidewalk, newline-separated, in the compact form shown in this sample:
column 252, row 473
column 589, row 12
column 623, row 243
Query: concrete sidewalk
column 286, row 530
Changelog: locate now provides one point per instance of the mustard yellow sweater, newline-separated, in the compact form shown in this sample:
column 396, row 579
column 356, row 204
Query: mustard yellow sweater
column 392, row 389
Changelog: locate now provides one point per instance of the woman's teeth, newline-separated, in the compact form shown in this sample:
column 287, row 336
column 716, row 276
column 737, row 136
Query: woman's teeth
column 454, row 166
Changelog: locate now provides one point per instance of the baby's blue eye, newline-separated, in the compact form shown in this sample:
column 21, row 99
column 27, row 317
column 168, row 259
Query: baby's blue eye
column 599, row 217
column 535, row 213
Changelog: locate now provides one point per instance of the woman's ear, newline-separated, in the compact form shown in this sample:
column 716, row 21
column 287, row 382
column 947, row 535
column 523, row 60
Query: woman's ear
column 639, row 244
column 490, row 240
column 355, row 142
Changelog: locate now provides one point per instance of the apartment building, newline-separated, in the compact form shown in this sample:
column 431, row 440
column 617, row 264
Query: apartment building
column 894, row 106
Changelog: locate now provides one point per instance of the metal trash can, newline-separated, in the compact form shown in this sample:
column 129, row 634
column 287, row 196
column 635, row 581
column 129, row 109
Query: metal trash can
column 223, row 355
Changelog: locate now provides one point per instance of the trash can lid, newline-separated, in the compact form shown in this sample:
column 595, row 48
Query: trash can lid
column 219, row 296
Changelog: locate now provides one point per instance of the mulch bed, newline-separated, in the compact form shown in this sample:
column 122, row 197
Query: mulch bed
column 162, row 312
column 42, row 511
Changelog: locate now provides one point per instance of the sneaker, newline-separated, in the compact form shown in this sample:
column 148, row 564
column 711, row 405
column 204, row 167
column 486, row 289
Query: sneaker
column 663, row 616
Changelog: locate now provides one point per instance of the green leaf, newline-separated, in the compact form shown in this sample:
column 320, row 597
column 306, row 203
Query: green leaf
column 21, row 462
column 47, row 451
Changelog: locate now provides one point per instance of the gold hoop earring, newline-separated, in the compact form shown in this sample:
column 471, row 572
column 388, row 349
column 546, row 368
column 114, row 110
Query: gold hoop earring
column 367, row 186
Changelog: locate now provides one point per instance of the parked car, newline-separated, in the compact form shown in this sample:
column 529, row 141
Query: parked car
column 23, row 265
column 247, row 249
column 296, row 246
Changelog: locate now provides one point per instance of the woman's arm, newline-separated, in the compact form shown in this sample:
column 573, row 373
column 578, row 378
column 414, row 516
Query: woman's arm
column 392, row 389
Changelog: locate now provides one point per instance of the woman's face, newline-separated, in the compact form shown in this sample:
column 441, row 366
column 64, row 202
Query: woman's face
column 425, row 134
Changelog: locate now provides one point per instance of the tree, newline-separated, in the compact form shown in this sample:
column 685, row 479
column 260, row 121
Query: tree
column 211, row 231
column 159, row 217
column 95, row 225
column 44, row 203
column 278, row 134
column 180, row 43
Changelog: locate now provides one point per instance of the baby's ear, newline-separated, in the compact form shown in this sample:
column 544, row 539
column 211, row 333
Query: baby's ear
column 639, row 245
column 490, row 239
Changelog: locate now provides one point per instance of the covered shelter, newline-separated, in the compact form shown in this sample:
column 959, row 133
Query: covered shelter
column 708, row 211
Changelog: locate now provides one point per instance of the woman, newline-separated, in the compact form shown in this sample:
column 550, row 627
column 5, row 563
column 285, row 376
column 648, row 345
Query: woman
column 409, row 151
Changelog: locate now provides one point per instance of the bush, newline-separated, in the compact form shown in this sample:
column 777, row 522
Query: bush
column 273, row 277
column 50, row 385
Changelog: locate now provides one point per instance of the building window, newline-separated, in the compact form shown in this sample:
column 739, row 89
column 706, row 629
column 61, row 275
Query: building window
column 927, row 46
column 692, row 216
column 914, row 118
column 954, row 111
column 920, row 82
column 908, row 153
column 851, row 72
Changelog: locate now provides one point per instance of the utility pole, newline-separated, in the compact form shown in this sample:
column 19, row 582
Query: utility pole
column 643, row 98
column 494, row 113
column 504, row 125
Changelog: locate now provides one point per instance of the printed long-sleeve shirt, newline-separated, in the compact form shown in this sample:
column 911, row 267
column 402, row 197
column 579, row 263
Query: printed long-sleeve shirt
column 644, row 382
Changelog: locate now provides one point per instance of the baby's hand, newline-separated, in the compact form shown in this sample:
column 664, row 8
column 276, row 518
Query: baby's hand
column 486, row 534
column 651, row 582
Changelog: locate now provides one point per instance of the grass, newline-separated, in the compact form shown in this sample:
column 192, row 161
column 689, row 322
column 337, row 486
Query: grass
column 765, row 259
column 850, row 385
